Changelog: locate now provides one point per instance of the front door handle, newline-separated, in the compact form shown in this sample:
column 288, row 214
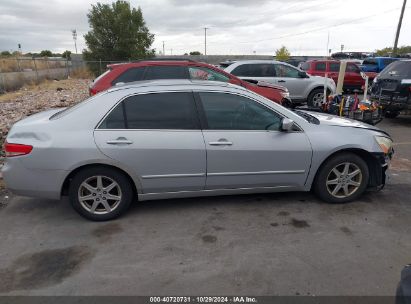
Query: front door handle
column 220, row 142
column 119, row 141
column 281, row 81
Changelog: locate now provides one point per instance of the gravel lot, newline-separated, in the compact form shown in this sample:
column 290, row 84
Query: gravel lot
column 29, row 100
column 273, row 244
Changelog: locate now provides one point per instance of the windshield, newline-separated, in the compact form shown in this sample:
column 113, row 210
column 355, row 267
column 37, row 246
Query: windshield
column 398, row 69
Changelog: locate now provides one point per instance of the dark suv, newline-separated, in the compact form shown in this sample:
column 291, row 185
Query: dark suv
column 182, row 69
column 392, row 87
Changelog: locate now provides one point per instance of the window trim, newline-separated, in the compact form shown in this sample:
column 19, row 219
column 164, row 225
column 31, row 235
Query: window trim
column 197, row 121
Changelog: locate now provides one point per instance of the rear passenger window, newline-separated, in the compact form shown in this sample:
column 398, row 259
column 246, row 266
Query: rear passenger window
column 334, row 67
column 133, row 74
column 115, row 120
column 320, row 66
column 166, row 72
column 254, row 70
column 154, row 111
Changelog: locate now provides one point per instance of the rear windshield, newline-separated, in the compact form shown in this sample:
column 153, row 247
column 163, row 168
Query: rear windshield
column 398, row 69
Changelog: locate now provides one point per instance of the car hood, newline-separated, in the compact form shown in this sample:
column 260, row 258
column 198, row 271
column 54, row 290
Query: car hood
column 332, row 120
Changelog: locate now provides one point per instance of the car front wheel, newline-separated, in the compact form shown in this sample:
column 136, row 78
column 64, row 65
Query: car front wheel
column 100, row 194
column 343, row 178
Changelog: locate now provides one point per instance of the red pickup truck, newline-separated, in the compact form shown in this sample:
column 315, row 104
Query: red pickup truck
column 352, row 80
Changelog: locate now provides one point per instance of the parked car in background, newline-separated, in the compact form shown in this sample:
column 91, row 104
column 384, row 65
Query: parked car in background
column 392, row 87
column 403, row 294
column 181, row 138
column 182, row 69
column 376, row 64
column 351, row 55
column 352, row 80
column 303, row 88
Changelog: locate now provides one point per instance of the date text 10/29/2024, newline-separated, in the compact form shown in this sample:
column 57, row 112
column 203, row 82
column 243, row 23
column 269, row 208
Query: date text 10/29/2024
column 203, row 300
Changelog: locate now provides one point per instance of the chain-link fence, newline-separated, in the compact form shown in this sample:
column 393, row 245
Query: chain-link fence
column 15, row 72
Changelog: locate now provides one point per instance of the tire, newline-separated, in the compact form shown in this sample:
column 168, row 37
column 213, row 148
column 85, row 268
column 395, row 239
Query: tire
column 314, row 96
column 98, row 203
column 390, row 114
column 350, row 187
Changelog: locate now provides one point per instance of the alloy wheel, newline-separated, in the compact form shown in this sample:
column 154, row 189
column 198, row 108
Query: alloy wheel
column 99, row 194
column 344, row 180
column 318, row 99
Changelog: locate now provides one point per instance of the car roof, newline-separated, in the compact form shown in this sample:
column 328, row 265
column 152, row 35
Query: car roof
column 164, row 83
column 258, row 61
column 159, row 62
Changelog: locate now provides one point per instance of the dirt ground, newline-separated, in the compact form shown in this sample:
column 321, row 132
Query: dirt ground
column 29, row 100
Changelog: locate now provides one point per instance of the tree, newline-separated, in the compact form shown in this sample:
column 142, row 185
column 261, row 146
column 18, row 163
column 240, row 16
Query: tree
column 388, row 51
column 5, row 53
column 195, row 53
column 117, row 33
column 282, row 54
column 46, row 53
column 66, row 54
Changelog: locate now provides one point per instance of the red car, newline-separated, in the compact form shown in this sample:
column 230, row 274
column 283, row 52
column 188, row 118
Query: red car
column 181, row 69
column 352, row 80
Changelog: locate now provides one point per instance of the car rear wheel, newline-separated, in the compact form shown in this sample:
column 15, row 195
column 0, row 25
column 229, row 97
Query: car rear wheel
column 100, row 194
column 343, row 178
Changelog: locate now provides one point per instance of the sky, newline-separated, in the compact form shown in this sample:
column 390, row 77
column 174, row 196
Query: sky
column 235, row 27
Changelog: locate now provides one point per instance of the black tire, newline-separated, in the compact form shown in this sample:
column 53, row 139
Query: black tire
column 391, row 114
column 312, row 95
column 325, row 172
column 123, row 190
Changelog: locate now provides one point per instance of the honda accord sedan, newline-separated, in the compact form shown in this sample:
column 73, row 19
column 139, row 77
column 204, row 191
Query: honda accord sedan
column 182, row 138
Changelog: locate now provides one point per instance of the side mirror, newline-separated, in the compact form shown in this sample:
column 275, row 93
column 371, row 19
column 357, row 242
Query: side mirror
column 302, row 74
column 287, row 124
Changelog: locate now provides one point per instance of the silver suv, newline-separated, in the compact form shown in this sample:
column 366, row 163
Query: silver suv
column 303, row 87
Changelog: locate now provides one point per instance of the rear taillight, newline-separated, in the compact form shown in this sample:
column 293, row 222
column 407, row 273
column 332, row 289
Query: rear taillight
column 16, row 149
column 92, row 91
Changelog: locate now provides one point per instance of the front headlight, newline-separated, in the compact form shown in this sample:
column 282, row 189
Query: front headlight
column 285, row 94
column 385, row 143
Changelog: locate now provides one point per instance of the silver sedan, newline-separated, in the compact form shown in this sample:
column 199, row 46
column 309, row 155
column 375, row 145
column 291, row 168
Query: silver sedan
column 181, row 138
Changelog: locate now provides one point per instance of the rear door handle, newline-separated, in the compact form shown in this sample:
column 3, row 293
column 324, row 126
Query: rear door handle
column 281, row 81
column 119, row 141
column 221, row 142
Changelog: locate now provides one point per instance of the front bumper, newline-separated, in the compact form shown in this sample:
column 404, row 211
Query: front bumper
column 378, row 169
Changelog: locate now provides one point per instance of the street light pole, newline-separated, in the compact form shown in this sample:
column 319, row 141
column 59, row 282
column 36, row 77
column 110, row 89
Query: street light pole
column 74, row 33
column 397, row 35
column 205, row 40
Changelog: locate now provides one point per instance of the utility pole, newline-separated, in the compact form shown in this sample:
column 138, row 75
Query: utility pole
column 394, row 51
column 74, row 33
column 205, row 40
column 164, row 52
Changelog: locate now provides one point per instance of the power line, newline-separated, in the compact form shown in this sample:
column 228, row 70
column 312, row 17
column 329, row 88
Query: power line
column 321, row 28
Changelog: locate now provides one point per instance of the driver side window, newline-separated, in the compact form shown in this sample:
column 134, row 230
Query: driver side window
column 283, row 70
column 233, row 112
